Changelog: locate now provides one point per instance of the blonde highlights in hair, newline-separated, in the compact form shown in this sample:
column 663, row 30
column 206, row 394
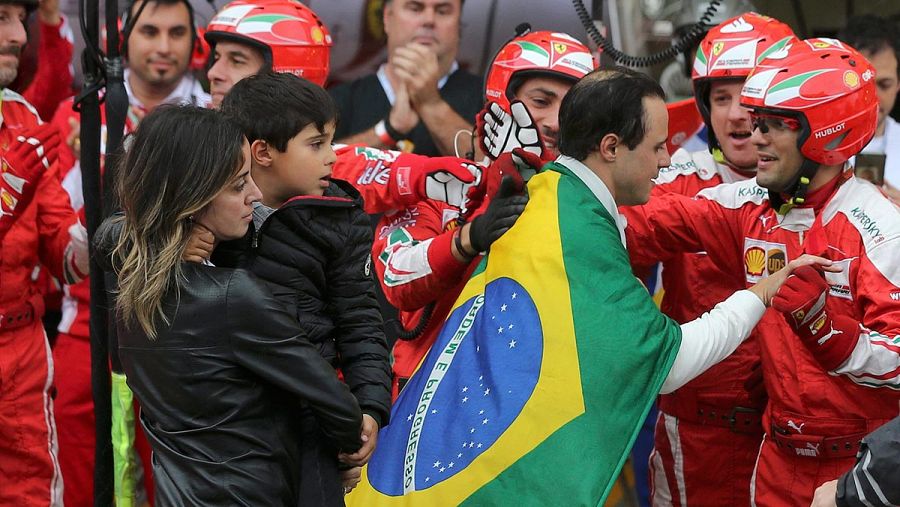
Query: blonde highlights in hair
column 181, row 157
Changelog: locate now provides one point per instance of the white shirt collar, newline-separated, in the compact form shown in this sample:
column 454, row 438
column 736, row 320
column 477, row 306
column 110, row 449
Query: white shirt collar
column 598, row 188
column 188, row 91
column 381, row 73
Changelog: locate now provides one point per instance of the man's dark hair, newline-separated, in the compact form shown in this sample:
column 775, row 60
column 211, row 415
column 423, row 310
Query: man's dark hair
column 276, row 106
column 871, row 33
column 606, row 101
column 134, row 9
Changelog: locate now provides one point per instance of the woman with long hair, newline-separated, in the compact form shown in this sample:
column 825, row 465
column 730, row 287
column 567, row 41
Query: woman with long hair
column 219, row 367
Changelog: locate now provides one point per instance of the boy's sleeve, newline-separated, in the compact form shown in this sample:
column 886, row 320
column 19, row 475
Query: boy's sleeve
column 359, row 331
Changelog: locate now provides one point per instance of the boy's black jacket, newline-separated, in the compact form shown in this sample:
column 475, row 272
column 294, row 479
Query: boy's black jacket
column 315, row 255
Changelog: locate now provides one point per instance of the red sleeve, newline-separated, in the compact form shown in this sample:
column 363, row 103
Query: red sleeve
column 53, row 80
column 61, row 119
column 864, row 342
column 670, row 224
column 413, row 256
column 369, row 171
column 55, row 216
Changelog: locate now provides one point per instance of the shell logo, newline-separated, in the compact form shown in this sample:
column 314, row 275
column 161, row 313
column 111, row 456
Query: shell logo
column 316, row 34
column 717, row 48
column 560, row 48
column 7, row 199
column 755, row 261
column 851, row 79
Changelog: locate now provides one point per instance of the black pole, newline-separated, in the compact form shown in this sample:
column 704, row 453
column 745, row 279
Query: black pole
column 88, row 103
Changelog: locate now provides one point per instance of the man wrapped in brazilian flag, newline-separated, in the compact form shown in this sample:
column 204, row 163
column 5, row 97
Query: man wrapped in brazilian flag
column 546, row 367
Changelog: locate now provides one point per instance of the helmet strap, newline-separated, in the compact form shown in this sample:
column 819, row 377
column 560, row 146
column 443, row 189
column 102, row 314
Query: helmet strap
column 797, row 190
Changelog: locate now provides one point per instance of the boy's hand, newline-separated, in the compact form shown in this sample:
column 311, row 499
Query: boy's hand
column 369, row 438
column 200, row 245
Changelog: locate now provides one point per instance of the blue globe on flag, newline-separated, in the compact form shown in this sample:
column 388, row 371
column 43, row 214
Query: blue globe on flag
column 473, row 384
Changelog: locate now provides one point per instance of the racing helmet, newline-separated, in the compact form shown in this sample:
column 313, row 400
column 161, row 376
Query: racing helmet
column 828, row 89
column 730, row 51
column 532, row 54
column 289, row 34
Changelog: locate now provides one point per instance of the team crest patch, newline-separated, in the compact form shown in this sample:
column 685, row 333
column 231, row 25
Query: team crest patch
column 762, row 258
column 717, row 48
column 560, row 48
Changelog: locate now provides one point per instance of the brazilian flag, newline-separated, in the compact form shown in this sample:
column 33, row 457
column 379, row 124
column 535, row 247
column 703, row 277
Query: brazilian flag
column 541, row 377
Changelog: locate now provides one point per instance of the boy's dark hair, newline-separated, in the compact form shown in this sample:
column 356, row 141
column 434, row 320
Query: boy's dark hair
column 276, row 106
column 606, row 101
column 872, row 34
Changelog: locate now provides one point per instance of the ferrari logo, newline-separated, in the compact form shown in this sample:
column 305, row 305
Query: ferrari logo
column 717, row 48
column 560, row 48
column 821, row 44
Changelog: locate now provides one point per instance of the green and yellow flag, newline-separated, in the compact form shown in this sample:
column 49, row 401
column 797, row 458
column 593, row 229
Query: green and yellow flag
column 542, row 375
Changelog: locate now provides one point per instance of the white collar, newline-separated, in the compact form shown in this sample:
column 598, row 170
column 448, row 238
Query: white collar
column 188, row 91
column 381, row 73
column 598, row 188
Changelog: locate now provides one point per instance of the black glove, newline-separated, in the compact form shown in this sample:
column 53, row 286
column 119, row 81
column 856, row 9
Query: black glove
column 502, row 212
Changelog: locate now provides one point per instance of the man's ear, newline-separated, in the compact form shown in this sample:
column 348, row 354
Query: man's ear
column 608, row 145
column 261, row 153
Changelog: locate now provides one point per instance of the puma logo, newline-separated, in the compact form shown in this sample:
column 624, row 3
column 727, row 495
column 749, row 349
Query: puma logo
column 811, row 450
column 828, row 336
column 792, row 425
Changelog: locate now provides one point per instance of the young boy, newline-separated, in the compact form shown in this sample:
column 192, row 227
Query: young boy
column 310, row 242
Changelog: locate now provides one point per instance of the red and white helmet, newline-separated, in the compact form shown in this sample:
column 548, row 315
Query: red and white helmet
column 536, row 53
column 289, row 34
column 731, row 50
column 827, row 87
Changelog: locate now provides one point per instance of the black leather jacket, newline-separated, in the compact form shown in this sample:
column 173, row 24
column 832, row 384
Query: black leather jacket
column 220, row 389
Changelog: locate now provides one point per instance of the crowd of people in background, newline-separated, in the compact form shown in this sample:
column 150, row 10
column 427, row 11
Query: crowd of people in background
column 286, row 256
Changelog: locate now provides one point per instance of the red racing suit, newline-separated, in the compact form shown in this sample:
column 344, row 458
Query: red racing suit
column 74, row 401
column 52, row 81
column 40, row 235
column 708, row 432
column 411, row 253
column 814, row 420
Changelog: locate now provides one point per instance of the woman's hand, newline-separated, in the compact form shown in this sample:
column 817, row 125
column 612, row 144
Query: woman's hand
column 767, row 287
column 350, row 478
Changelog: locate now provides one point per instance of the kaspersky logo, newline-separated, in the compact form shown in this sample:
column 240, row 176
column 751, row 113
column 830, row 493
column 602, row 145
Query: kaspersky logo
column 830, row 130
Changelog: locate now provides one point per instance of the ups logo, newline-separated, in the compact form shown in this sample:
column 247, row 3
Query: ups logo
column 775, row 260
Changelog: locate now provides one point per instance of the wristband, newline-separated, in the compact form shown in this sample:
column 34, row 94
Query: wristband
column 392, row 132
column 383, row 136
column 457, row 240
